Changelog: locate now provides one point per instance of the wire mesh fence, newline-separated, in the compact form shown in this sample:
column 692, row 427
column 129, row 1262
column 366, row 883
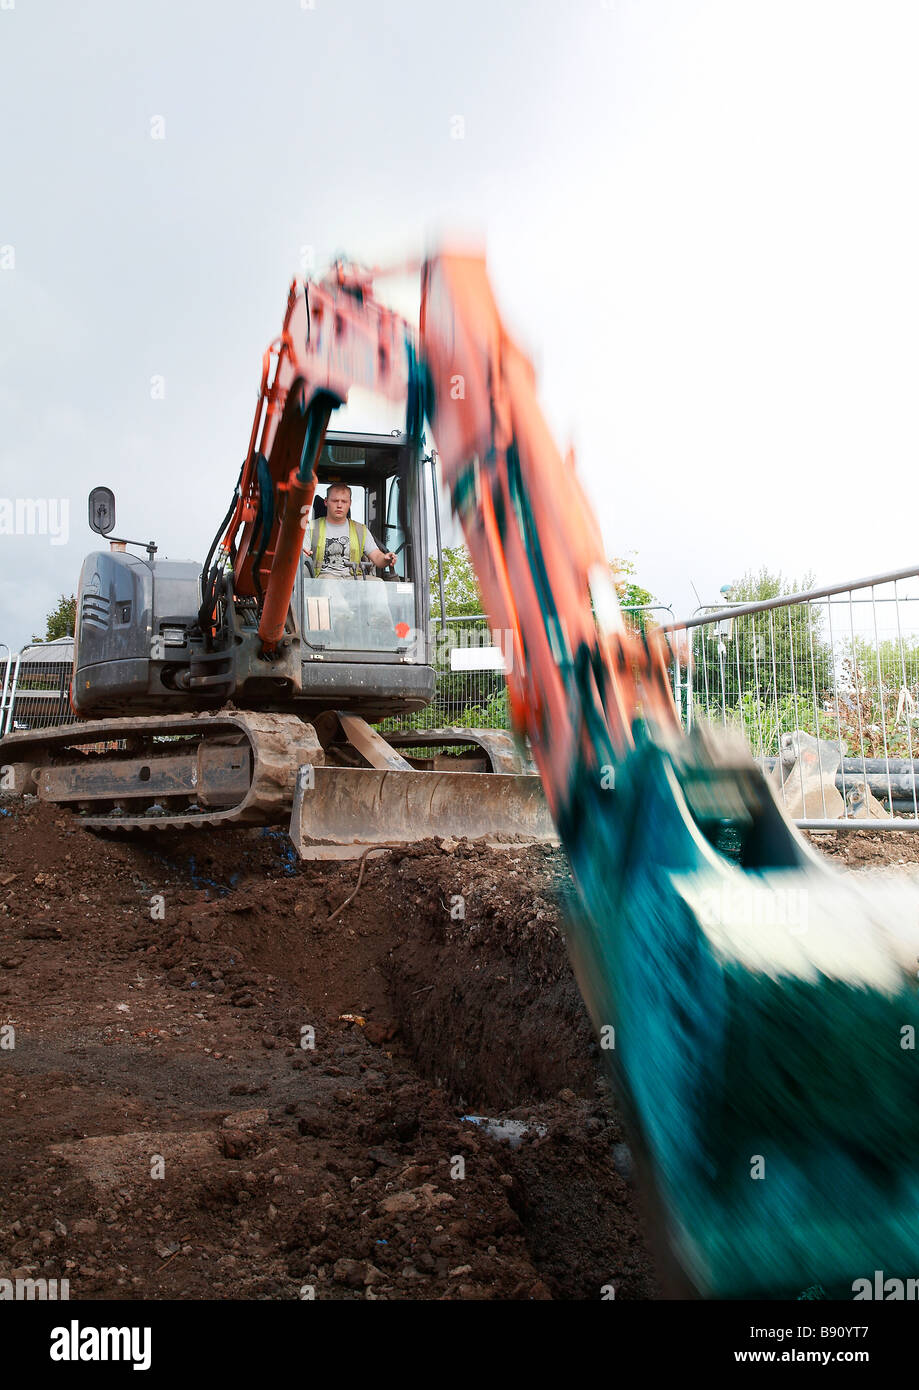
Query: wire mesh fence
column 470, row 689
column 35, row 687
column 824, row 687
column 470, row 660
column 6, row 685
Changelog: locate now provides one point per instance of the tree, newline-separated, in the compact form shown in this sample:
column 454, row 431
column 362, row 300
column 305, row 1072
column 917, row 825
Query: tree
column 463, row 697
column 772, row 670
column 753, row 588
column 61, row 621
column 630, row 594
column 461, row 592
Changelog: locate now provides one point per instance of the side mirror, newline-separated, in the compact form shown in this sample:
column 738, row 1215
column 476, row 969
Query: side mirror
column 102, row 510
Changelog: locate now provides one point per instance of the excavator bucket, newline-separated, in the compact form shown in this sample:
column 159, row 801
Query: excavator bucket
column 759, row 1012
column 340, row 812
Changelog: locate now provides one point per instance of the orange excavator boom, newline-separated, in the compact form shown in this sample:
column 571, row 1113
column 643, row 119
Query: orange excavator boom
column 336, row 335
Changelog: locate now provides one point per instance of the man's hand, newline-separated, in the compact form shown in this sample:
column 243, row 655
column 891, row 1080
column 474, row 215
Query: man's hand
column 382, row 558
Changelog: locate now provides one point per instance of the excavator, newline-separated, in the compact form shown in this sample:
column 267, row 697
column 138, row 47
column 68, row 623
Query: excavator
column 757, row 1010
column 202, row 689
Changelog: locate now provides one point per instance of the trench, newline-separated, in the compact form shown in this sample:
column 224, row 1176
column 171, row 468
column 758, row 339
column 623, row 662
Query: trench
column 486, row 1010
column 505, row 1033
column 475, row 1014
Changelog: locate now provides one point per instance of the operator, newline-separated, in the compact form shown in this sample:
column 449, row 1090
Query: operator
column 340, row 543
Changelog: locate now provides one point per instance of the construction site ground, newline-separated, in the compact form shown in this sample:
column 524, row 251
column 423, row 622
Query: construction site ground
column 216, row 1084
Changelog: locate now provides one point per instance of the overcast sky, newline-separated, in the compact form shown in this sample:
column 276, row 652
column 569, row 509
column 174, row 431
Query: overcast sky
column 701, row 219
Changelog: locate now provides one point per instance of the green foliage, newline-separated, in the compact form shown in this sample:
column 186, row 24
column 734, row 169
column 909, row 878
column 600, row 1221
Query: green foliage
column 474, row 700
column 879, row 698
column 489, row 714
column 461, row 592
column 630, row 593
column 754, row 588
column 61, row 621
column 777, row 655
column 763, row 718
column 887, row 664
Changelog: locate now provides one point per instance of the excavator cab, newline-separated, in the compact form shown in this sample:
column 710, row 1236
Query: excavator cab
column 361, row 644
column 375, row 612
column 364, row 641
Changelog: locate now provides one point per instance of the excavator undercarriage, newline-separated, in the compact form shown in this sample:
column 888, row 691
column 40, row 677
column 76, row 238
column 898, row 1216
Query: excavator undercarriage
column 339, row 794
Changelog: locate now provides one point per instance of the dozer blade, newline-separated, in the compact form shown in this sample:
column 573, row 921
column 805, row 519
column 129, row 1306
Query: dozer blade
column 339, row 812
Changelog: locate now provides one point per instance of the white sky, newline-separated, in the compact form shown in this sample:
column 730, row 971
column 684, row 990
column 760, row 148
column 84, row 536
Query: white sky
column 702, row 221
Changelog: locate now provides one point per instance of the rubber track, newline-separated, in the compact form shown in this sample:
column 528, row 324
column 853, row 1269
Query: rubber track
column 280, row 743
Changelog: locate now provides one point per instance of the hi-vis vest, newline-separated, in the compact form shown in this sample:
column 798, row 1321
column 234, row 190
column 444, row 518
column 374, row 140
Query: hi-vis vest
column 356, row 543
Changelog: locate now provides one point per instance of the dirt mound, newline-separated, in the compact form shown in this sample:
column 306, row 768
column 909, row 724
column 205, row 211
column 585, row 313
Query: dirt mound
column 854, row 848
column 224, row 1083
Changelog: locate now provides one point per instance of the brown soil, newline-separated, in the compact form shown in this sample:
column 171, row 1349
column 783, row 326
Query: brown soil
column 854, row 849
column 165, row 1134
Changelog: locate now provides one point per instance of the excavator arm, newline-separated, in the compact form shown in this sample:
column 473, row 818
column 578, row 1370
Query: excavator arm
column 575, row 684
column 750, row 1001
column 336, row 335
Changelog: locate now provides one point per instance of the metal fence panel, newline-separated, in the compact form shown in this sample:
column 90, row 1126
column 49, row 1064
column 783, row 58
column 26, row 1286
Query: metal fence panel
column 471, row 698
column 477, row 699
column 35, row 694
column 824, row 686
column 8, row 673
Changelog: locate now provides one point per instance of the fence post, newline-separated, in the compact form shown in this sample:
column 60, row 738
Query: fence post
column 8, row 697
